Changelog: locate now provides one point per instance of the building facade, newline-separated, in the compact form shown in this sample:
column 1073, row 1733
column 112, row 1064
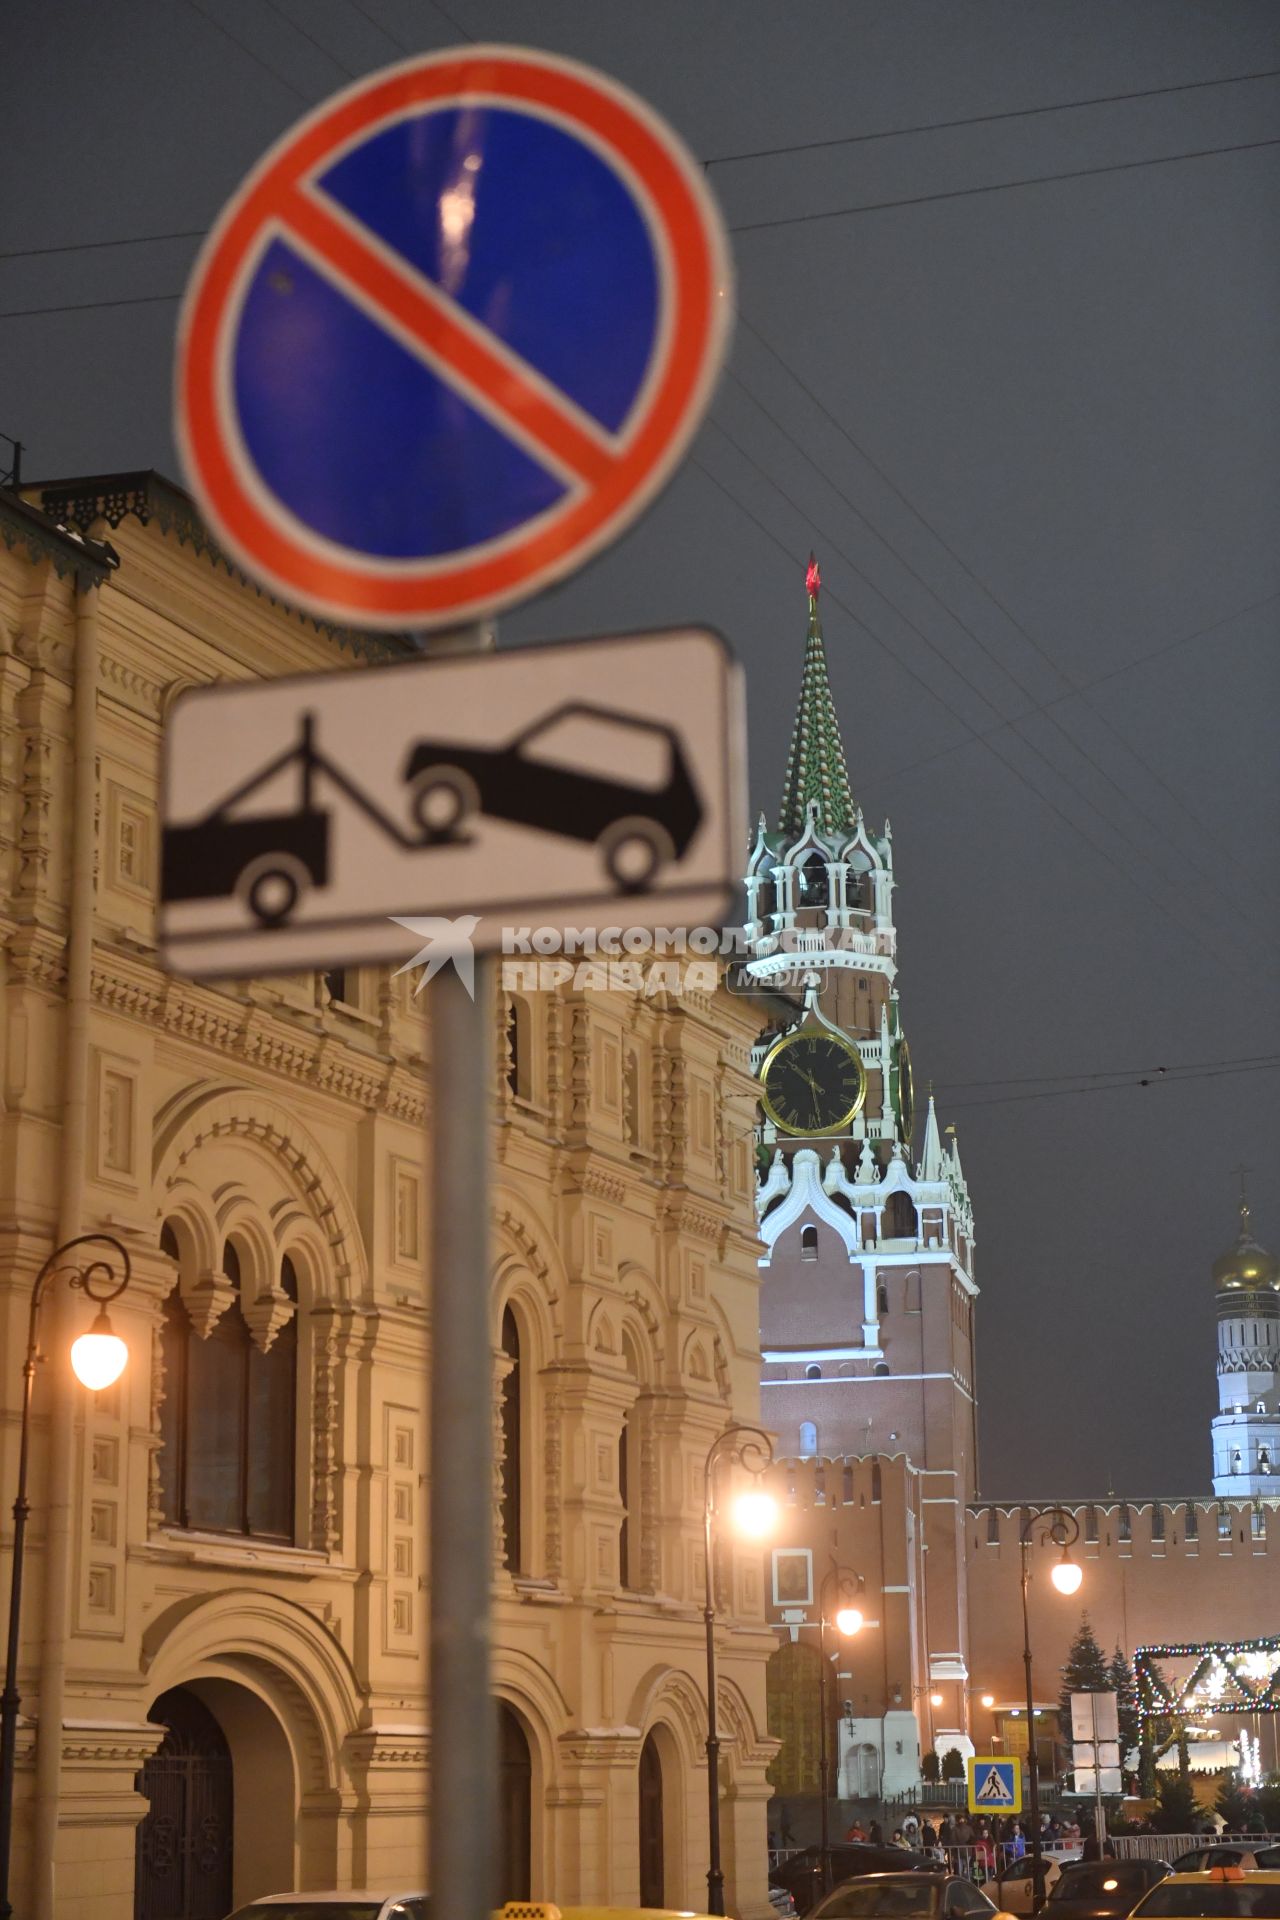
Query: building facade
column 223, row 1659
column 868, row 1312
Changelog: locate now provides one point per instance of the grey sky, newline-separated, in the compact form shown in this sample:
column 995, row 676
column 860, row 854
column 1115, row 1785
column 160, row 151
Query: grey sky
column 1060, row 397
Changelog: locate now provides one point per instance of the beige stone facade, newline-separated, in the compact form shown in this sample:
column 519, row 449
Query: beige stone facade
column 259, row 1149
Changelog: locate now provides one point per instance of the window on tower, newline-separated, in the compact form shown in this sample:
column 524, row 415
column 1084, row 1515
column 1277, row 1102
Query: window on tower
column 808, row 1438
column 900, row 1221
column 808, row 1243
column 813, row 891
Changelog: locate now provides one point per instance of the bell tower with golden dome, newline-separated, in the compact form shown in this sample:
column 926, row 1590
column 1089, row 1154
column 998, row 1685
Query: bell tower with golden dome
column 1246, row 1429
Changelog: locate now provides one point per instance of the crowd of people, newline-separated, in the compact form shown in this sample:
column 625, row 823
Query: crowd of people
column 969, row 1845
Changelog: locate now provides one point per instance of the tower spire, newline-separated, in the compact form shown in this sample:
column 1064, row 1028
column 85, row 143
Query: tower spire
column 816, row 770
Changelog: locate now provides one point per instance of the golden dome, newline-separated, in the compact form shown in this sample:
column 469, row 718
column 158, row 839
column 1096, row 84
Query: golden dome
column 1248, row 1266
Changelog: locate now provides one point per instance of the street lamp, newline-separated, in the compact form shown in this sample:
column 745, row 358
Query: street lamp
column 1062, row 1530
column 98, row 1358
column 844, row 1589
column 755, row 1514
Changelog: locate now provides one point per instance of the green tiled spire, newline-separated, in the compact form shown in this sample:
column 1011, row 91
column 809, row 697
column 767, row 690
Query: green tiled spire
column 815, row 767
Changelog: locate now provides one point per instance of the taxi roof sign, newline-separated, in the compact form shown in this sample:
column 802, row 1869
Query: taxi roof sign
column 450, row 336
column 995, row 1783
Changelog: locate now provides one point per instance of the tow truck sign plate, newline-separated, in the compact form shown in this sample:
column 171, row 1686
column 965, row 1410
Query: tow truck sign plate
column 545, row 787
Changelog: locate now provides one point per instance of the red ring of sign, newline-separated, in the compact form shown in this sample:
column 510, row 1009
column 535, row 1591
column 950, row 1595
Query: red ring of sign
column 698, row 292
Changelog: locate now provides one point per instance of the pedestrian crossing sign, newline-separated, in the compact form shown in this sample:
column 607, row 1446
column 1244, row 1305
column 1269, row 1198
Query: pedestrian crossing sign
column 995, row 1784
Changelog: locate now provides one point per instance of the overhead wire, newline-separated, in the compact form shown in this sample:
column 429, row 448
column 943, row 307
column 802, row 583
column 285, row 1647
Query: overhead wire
column 1015, row 721
column 985, row 588
column 990, row 119
column 319, row 45
column 220, row 27
column 1272, row 1057
column 987, row 740
column 1087, row 686
column 92, row 246
column 1117, row 1086
column 1001, row 186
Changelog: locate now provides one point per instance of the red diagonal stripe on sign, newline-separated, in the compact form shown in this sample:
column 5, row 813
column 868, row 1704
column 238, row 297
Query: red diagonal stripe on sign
column 509, row 392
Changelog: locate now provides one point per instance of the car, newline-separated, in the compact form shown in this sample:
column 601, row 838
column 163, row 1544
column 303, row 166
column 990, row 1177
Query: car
column 1227, row 1853
column 359, row 1903
column 801, row 1873
column 782, row 1903
column 1099, row 1889
column 1216, row 1893
column 1015, row 1880
column 914, row 1895
column 561, row 775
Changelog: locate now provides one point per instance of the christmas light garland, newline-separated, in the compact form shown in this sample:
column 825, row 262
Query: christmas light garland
column 1156, row 1701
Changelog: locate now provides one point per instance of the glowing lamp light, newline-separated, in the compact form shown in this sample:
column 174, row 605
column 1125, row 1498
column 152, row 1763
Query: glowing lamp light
column 755, row 1515
column 1109, row 1886
column 935, row 1699
column 988, row 1699
column 98, row 1357
column 1066, row 1576
column 848, row 1620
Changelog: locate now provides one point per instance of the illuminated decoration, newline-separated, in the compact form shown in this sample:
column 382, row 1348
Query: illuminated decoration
column 1228, row 1676
column 1250, row 1751
column 812, row 579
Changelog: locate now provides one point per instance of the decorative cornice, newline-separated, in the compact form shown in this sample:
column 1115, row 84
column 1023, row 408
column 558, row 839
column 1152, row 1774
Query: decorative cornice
column 40, row 537
column 172, row 1006
column 148, row 496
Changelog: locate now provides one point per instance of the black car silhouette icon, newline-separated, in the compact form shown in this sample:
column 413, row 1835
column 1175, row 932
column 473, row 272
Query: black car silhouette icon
column 270, row 861
column 538, row 779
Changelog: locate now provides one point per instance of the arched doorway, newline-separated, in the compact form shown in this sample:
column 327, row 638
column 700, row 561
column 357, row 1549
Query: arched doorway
column 515, row 1810
column 652, row 1871
column 183, row 1854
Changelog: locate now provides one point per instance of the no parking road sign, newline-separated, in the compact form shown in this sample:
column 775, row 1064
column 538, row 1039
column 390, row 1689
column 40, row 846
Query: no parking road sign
column 995, row 1783
column 450, row 337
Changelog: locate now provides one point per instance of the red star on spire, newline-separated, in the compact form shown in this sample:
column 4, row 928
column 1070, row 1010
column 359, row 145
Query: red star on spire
column 812, row 579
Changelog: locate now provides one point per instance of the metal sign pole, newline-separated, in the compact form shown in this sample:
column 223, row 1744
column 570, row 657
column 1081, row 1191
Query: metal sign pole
column 1099, row 1811
column 461, row 1466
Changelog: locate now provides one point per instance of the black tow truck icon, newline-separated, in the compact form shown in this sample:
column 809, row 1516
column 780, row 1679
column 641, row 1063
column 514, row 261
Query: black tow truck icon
column 270, row 860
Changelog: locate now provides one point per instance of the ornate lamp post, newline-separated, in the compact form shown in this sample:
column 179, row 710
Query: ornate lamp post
column 98, row 1358
column 755, row 1514
column 1062, row 1530
column 841, row 1591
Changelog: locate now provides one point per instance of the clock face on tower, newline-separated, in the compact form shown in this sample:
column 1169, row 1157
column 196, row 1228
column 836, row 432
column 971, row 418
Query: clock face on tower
column 812, row 1082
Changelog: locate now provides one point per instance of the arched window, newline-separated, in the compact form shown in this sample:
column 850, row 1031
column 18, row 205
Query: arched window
column 882, row 1298
column 813, row 1372
column 808, row 1243
column 813, row 890
column 653, row 1889
column 767, row 898
column 808, row 1438
column 520, row 1043
column 228, row 1417
column 514, row 1838
column 900, row 1218
column 511, row 1463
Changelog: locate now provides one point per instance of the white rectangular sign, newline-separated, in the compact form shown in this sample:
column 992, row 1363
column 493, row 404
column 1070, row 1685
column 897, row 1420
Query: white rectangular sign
column 1087, row 1781
column 1094, row 1716
column 581, row 784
